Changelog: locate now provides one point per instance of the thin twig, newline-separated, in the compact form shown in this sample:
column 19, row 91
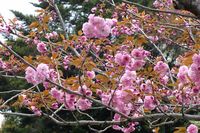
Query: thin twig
column 160, row 11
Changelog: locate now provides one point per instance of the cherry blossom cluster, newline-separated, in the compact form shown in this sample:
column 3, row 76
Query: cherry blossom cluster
column 5, row 29
column 71, row 101
column 2, row 64
column 188, row 87
column 129, row 129
column 123, row 29
column 133, row 61
column 28, row 102
column 40, row 74
column 194, row 70
column 98, row 27
column 121, row 98
column 41, row 47
column 162, row 3
column 162, row 69
column 66, row 62
column 52, row 35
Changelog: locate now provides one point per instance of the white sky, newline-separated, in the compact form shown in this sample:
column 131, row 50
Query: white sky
column 23, row 6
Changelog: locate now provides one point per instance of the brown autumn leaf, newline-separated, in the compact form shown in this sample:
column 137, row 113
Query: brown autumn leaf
column 180, row 130
column 89, row 65
column 141, row 40
column 34, row 24
column 156, row 130
column 102, row 78
column 45, row 92
column 77, row 62
column 187, row 58
column 54, row 55
column 197, row 46
column 44, row 59
column 41, row 11
column 46, row 19
column 62, row 36
column 29, row 59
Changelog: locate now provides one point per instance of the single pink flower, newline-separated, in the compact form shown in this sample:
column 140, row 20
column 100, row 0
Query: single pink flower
column 139, row 53
column 182, row 74
column 36, row 111
column 30, row 75
column 58, row 94
column 161, row 68
column 83, row 104
column 196, row 58
column 122, row 59
column 41, row 47
column 149, row 102
column 135, row 64
column 91, row 74
column 192, row 129
column 42, row 72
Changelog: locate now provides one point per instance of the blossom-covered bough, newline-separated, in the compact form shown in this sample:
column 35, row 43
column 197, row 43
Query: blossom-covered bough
column 141, row 64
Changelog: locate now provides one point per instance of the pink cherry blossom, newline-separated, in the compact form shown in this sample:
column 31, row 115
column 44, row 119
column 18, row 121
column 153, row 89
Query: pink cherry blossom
column 88, row 30
column 161, row 68
column 41, row 47
column 91, row 74
column 39, row 75
column 52, row 75
column 196, row 89
column 98, row 27
column 105, row 98
column 146, row 87
column 130, row 128
column 196, row 59
column 36, row 111
column 139, row 53
column 54, row 106
column 135, row 64
column 1, row 63
column 69, row 101
column 192, row 129
column 164, row 80
column 58, row 94
column 52, row 35
column 194, row 70
column 30, row 75
column 96, row 20
column 83, row 104
column 149, row 102
column 117, row 117
column 42, row 72
column 85, row 91
column 66, row 62
column 122, row 59
column 111, row 22
column 182, row 74
column 128, row 78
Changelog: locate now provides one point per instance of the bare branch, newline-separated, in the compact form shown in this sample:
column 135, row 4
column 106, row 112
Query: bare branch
column 64, row 29
column 160, row 11
column 15, row 96
column 18, row 114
